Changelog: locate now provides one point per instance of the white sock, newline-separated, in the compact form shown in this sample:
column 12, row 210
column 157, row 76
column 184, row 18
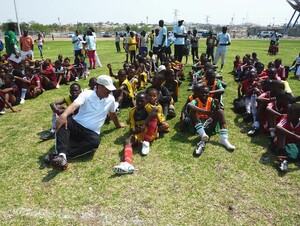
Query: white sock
column 23, row 93
column 63, row 155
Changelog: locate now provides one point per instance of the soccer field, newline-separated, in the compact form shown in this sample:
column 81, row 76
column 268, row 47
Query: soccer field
column 169, row 186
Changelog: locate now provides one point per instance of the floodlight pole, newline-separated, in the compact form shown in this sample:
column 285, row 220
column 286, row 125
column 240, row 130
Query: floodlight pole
column 19, row 30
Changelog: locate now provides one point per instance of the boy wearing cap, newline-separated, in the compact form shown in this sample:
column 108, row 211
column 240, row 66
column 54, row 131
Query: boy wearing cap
column 85, row 127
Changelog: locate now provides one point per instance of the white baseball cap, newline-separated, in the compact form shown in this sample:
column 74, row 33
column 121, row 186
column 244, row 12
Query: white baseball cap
column 106, row 81
column 161, row 68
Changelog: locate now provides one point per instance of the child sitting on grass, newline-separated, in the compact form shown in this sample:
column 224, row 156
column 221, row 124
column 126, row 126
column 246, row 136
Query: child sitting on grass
column 288, row 137
column 58, row 109
column 203, row 110
column 143, row 127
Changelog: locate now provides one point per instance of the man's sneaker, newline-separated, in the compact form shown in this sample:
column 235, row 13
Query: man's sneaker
column 3, row 111
column 283, row 165
column 118, row 111
column 199, row 149
column 123, row 168
column 145, row 148
column 48, row 158
column 76, row 79
column 59, row 162
column 48, row 136
column 22, row 101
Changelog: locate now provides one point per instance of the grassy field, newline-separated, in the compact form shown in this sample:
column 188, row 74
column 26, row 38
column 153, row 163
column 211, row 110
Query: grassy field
column 169, row 187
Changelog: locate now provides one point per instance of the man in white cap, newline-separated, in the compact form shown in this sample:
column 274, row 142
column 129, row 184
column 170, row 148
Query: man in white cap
column 179, row 33
column 85, row 127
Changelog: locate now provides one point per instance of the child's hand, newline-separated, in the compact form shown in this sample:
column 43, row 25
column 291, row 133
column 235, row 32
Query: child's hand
column 16, row 111
column 109, row 66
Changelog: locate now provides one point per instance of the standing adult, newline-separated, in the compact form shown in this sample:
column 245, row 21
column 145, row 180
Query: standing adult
column 125, row 43
column 26, row 44
column 162, row 40
column 91, row 43
column 195, row 45
column 11, row 45
column 117, row 42
column 85, row 127
column 180, row 34
column 77, row 42
column 223, row 40
column 211, row 41
column 97, row 60
column 143, row 44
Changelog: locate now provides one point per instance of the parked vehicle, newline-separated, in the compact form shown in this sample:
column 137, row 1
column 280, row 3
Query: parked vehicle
column 107, row 34
column 70, row 34
column 122, row 33
column 267, row 34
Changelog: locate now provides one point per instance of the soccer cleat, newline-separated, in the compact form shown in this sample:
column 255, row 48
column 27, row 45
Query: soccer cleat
column 283, row 165
column 145, row 148
column 48, row 136
column 207, row 123
column 59, row 162
column 199, row 149
column 3, row 111
column 76, row 79
column 22, row 101
column 48, row 158
column 123, row 168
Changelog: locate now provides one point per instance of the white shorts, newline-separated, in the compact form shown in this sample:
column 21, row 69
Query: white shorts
column 25, row 53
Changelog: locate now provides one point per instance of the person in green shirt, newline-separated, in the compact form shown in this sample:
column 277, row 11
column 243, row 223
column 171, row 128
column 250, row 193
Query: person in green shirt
column 11, row 44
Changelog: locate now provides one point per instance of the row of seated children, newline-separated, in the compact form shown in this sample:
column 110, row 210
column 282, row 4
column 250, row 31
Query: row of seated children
column 29, row 81
column 267, row 99
column 240, row 67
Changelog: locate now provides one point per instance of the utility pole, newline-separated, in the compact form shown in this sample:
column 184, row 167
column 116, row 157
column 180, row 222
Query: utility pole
column 19, row 30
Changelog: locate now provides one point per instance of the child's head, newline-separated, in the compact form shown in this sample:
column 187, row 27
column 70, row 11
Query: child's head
column 92, row 83
column 158, row 79
column 271, row 72
column 201, row 92
column 278, row 62
column 169, row 76
column 194, row 32
column 210, row 77
column 76, row 61
column 28, row 71
column 152, row 96
column 254, row 55
column 67, row 61
column 60, row 57
column 8, row 79
column 251, row 76
column 121, row 75
column 131, row 34
column 57, row 64
column 75, row 90
column 293, row 113
column 271, row 64
column 259, row 67
column 237, row 57
column 141, row 100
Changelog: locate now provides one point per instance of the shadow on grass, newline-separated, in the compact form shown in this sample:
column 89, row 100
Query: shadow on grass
column 43, row 165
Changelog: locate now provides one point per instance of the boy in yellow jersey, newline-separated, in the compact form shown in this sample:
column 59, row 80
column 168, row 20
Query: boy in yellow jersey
column 143, row 127
column 58, row 109
column 124, row 93
column 200, row 110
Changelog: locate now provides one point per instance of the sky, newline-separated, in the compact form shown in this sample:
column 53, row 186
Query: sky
column 261, row 12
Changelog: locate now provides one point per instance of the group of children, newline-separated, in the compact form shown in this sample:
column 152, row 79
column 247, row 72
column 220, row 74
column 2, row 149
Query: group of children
column 30, row 78
column 269, row 103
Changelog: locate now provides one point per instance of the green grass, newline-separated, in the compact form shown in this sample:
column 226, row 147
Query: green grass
column 169, row 187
